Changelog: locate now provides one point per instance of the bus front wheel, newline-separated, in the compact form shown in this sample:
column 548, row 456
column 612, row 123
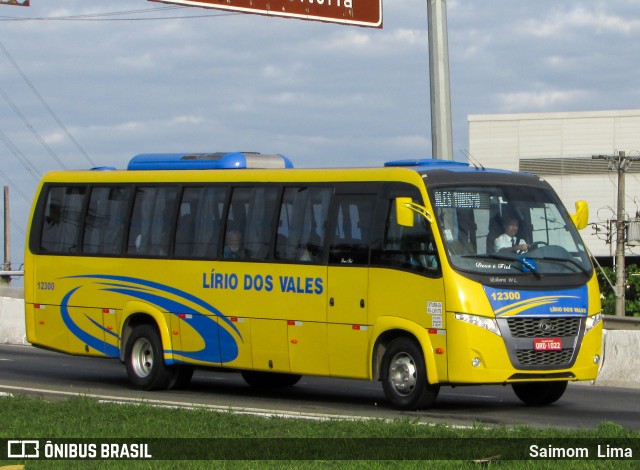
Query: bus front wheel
column 145, row 361
column 539, row 393
column 404, row 376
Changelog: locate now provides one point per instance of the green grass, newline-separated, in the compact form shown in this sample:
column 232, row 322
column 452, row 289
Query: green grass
column 391, row 442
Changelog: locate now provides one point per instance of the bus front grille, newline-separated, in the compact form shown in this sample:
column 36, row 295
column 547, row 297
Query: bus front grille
column 546, row 327
column 521, row 333
column 529, row 357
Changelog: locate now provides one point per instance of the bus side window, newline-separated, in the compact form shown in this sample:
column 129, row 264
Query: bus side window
column 351, row 230
column 236, row 222
column 199, row 222
column 302, row 224
column 408, row 247
column 62, row 220
column 260, row 222
column 152, row 221
column 106, row 220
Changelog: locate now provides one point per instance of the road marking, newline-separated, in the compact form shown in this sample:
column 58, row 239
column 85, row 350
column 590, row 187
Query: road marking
column 219, row 408
column 190, row 406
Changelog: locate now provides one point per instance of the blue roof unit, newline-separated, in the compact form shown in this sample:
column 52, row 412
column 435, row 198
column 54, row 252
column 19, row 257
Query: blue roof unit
column 428, row 163
column 207, row 161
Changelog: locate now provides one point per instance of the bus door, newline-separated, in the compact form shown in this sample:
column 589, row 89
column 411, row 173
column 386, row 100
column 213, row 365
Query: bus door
column 405, row 280
column 301, row 283
column 348, row 284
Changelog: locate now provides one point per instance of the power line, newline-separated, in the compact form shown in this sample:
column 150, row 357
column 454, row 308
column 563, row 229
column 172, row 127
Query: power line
column 26, row 163
column 32, row 129
column 45, row 104
column 107, row 16
column 15, row 225
column 15, row 188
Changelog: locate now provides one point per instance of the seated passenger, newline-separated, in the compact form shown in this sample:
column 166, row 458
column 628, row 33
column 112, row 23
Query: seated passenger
column 232, row 248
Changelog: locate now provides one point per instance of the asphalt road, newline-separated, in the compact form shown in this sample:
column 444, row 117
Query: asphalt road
column 24, row 369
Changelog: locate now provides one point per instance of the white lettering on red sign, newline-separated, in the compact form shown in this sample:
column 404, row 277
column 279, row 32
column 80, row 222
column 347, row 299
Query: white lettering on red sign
column 338, row 3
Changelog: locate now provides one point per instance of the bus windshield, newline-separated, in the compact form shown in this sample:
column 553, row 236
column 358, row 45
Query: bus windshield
column 508, row 230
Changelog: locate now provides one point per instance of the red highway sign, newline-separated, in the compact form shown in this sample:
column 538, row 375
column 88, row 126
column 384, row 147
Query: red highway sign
column 349, row 12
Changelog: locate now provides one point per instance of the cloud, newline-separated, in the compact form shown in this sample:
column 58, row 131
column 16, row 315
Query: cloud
column 532, row 101
column 594, row 20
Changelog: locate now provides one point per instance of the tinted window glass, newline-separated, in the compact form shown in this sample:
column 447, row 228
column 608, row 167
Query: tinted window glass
column 302, row 224
column 200, row 222
column 152, row 221
column 62, row 219
column 251, row 223
column 408, row 247
column 106, row 220
column 351, row 230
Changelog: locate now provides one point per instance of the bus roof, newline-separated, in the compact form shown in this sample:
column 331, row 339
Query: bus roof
column 438, row 171
column 254, row 160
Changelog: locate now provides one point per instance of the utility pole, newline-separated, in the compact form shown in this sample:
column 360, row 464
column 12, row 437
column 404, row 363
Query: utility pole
column 441, row 134
column 620, row 163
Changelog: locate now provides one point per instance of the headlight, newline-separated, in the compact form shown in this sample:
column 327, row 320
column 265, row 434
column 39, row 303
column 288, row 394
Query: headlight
column 592, row 321
column 488, row 324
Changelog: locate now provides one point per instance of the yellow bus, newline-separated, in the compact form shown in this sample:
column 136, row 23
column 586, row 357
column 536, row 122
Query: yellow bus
column 237, row 261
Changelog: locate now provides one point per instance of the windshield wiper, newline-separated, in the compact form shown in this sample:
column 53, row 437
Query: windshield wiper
column 565, row 260
column 527, row 263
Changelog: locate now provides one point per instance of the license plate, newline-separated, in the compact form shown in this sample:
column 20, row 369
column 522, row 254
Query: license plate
column 547, row 344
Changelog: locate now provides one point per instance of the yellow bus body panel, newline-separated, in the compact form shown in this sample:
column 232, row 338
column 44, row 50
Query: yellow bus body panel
column 385, row 324
column 402, row 301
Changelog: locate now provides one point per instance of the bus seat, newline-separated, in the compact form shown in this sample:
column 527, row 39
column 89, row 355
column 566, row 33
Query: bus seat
column 495, row 230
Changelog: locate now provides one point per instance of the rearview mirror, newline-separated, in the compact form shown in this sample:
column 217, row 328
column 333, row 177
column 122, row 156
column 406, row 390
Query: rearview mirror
column 405, row 208
column 404, row 214
column 581, row 217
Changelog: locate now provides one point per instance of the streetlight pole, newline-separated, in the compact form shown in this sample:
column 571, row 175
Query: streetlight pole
column 441, row 134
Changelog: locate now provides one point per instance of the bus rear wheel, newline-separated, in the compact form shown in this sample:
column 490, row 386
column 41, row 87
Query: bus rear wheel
column 145, row 361
column 539, row 393
column 404, row 376
column 270, row 379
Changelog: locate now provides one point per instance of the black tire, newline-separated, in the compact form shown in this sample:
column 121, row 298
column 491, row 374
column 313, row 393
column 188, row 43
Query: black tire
column 404, row 376
column 270, row 379
column 539, row 393
column 144, row 360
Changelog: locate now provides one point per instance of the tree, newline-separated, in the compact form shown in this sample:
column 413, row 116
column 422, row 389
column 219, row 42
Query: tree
column 632, row 292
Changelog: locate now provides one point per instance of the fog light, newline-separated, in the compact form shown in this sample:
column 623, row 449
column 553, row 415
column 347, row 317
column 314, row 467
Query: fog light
column 475, row 362
column 596, row 359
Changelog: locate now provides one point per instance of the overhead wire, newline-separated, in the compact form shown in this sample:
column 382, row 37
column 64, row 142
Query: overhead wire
column 107, row 16
column 24, row 161
column 46, row 105
column 32, row 129
column 15, row 225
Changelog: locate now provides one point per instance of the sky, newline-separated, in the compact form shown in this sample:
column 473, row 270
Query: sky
column 88, row 83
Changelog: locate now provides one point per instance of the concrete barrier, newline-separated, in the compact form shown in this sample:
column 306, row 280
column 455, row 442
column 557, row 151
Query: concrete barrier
column 620, row 365
column 12, row 329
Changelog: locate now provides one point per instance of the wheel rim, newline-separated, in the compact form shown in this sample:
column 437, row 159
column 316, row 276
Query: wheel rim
column 403, row 373
column 142, row 358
